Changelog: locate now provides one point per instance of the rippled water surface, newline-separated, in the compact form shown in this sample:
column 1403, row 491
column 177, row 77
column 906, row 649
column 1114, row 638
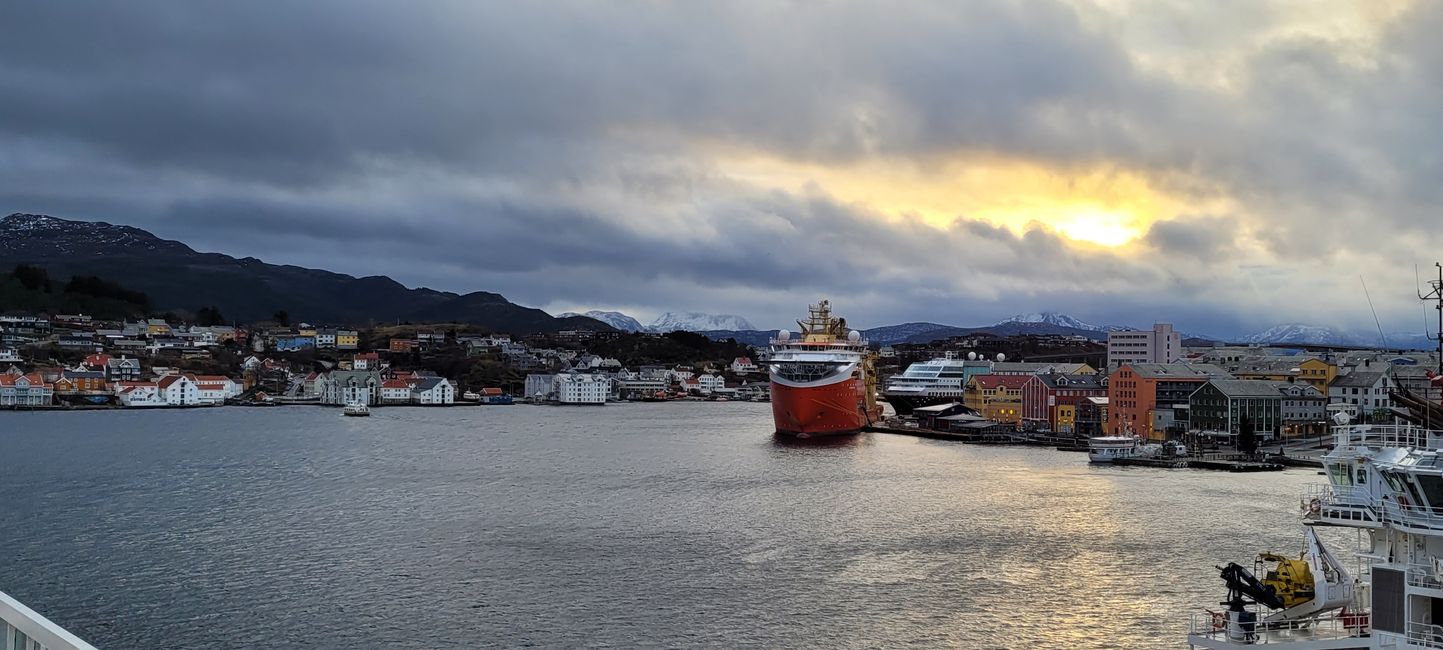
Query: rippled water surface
column 631, row 525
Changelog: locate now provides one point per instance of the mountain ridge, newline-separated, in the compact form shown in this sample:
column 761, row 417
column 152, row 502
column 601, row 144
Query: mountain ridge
column 176, row 277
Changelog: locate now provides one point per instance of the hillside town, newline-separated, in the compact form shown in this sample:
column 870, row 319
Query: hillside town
column 75, row 361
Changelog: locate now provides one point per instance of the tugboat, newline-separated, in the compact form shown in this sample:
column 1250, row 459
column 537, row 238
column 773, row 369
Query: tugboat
column 822, row 382
column 356, row 409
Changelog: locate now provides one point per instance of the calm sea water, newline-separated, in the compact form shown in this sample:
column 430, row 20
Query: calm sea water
column 633, row 525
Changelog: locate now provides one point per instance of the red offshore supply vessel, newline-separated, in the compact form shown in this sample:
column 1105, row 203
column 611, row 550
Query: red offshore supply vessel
column 823, row 382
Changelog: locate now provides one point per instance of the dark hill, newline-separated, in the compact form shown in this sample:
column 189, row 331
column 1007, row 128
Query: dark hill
column 176, row 277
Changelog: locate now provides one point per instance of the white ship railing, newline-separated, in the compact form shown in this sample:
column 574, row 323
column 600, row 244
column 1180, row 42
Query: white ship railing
column 1419, row 575
column 1424, row 635
column 1415, row 516
column 1387, row 435
column 1213, row 627
column 23, row 629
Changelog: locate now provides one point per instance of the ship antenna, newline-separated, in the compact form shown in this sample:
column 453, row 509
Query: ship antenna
column 1435, row 295
column 1381, row 338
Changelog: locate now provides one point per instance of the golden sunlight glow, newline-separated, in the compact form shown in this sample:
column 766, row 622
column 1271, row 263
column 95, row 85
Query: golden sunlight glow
column 1105, row 207
column 1098, row 227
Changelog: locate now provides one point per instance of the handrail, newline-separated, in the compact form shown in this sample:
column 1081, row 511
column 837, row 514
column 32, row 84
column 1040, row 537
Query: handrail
column 1426, row 635
column 17, row 618
column 1337, row 625
column 1387, row 435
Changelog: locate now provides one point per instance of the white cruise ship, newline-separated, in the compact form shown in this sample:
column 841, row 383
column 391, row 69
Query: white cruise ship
column 1385, row 481
column 935, row 381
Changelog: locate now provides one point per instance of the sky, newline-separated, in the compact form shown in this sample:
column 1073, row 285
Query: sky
column 1226, row 166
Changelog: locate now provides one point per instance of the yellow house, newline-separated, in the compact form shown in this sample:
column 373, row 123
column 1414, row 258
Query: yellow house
column 306, row 331
column 1318, row 373
column 996, row 397
column 157, row 327
column 1066, row 417
column 347, row 340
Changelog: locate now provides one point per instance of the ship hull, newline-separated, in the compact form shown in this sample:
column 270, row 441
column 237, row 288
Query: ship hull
column 905, row 404
column 831, row 410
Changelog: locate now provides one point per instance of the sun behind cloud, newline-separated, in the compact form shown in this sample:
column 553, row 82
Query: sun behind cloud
column 1101, row 206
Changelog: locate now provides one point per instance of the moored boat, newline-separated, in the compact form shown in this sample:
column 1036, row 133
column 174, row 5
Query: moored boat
column 356, row 409
column 822, row 381
column 1105, row 449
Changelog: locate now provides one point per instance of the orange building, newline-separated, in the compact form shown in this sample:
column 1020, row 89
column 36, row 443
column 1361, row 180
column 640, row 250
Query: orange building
column 1150, row 399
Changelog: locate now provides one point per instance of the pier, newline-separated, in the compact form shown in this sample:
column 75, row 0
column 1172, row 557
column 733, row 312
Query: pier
column 1213, row 461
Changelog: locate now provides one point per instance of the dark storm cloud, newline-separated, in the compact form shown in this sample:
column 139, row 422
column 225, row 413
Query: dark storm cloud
column 559, row 152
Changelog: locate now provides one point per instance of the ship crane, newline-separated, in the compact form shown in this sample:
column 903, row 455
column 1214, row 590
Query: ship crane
column 1297, row 589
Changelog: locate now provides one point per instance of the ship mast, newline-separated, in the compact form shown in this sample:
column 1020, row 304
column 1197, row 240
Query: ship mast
column 1436, row 296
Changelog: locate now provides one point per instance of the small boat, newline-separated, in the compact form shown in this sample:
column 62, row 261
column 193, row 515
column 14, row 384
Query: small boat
column 356, row 409
column 1105, row 449
column 471, row 396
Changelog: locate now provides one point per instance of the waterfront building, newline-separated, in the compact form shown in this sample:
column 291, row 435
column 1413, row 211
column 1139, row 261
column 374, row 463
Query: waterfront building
column 9, row 355
column 28, row 390
column 1305, row 410
column 178, row 390
column 996, row 397
column 711, row 384
column 214, row 389
column 638, row 387
column 1219, row 405
column 138, row 394
column 572, row 388
column 1052, row 400
column 1151, row 400
column 341, row 387
column 1091, row 417
column 1365, row 390
column 540, row 386
column 1161, row 344
column 76, row 382
column 395, row 391
column 931, row 416
column 434, row 391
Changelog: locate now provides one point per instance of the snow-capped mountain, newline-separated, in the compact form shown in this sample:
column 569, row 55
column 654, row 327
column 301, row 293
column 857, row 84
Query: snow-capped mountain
column 1054, row 318
column 1323, row 335
column 613, row 318
column 1303, row 333
column 698, row 322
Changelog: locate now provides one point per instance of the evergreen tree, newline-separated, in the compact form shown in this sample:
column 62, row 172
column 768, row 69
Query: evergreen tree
column 1247, row 438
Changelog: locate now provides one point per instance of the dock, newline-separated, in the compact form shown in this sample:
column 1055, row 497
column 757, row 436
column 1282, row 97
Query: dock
column 1188, row 462
column 1209, row 462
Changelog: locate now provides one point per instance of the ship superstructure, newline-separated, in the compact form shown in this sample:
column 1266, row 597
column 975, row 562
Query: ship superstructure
column 822, row 380
column 1386, row 481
